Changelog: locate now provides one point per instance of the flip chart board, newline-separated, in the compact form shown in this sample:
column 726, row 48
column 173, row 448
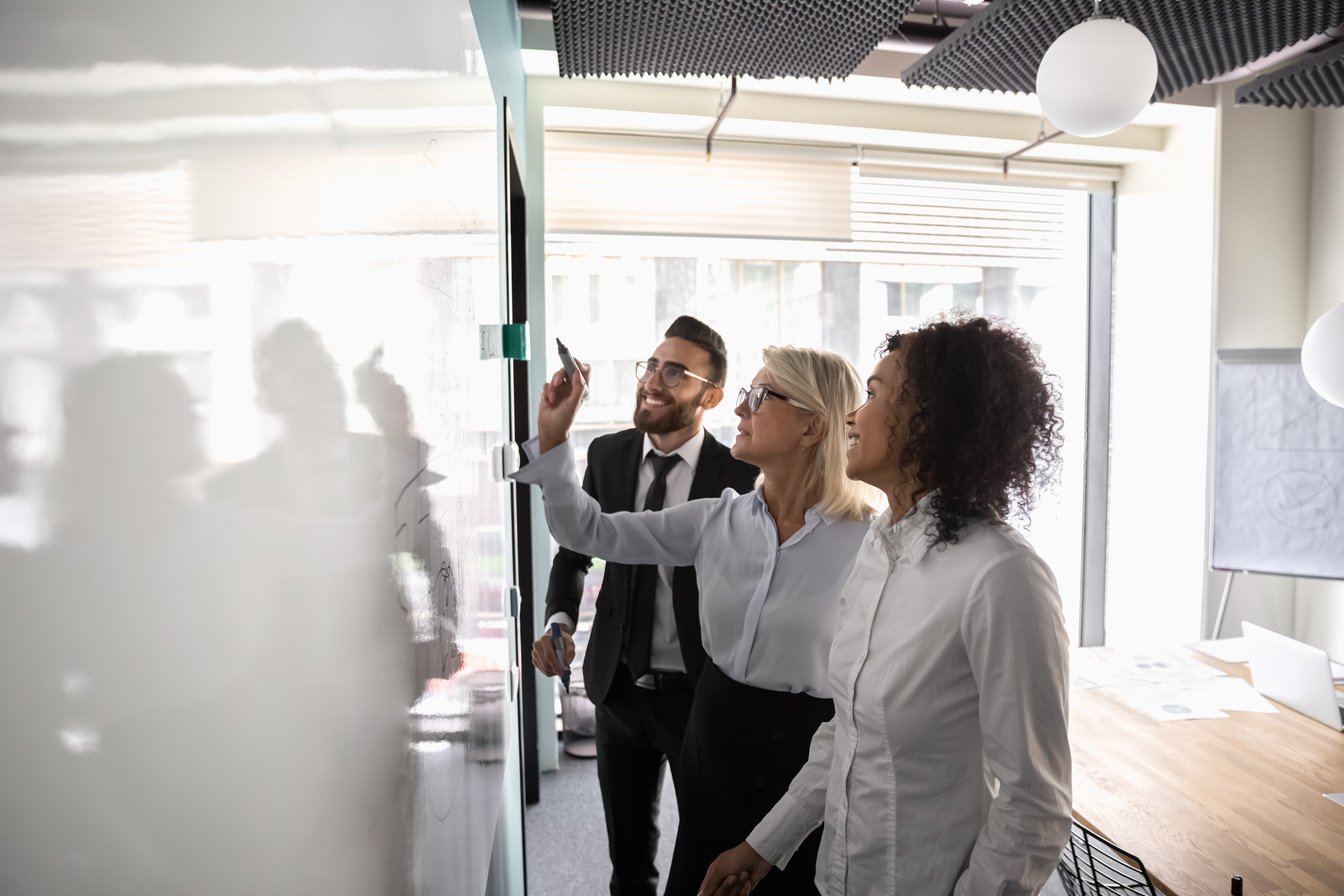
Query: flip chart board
column 1278, row 497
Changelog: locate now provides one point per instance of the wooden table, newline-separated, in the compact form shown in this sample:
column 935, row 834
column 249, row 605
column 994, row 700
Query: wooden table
column 1201, row 800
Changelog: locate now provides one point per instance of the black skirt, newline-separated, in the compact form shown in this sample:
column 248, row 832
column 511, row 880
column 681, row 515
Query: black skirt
column 742, row 748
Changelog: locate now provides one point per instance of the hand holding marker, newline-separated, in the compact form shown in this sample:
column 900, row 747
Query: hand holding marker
column 558, row 643
column 570, row 367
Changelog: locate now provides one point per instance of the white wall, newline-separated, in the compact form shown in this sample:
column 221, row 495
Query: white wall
column 1160, row 390
column 1320, row 605
column 1264, row 191
column 1249, row 209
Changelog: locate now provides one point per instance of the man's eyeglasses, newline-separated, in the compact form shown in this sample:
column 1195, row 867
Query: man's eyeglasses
column 753, row 397
column 670, row 374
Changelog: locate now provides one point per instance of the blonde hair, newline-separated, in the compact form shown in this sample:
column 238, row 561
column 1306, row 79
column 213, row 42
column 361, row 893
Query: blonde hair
column 828, row 385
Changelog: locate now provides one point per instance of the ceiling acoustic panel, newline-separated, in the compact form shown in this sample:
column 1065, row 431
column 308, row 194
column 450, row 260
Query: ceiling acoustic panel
column 719, row 38
column 1001, row 47
column 1316, row 80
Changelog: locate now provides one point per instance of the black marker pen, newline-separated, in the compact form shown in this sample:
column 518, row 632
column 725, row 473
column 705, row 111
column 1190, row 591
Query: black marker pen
column 570, row 367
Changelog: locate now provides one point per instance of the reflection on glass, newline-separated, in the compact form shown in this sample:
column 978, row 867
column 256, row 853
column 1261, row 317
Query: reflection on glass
column 252, row 628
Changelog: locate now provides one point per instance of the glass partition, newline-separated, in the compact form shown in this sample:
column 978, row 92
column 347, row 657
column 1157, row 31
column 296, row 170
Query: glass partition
column 253, row 628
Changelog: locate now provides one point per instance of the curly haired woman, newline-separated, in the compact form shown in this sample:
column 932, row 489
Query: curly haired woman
column 946, row 769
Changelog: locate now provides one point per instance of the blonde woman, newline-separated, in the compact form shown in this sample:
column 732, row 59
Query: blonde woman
column 946, row 769
column 770, row 565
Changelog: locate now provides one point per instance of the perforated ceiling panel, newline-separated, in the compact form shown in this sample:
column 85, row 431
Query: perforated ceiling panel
column 757, row 38
column 1001, row 47
column 1317, row 80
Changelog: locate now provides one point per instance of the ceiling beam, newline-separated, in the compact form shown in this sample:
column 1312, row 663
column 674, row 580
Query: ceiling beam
column 653, row 107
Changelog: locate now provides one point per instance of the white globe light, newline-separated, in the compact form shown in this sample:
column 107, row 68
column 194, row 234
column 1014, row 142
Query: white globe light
column 1323, row 356
column 1096, row 77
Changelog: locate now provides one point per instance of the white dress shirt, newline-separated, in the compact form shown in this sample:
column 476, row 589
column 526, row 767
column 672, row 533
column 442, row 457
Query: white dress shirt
column 767, row 611
column 665, row 650
column 946, row 768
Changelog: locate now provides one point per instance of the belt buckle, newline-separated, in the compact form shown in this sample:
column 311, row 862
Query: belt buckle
column 664, row 680
column 654, row 680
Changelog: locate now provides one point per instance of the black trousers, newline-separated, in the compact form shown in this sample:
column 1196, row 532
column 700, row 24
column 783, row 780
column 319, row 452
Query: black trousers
column 742, row 748
column 638, row 730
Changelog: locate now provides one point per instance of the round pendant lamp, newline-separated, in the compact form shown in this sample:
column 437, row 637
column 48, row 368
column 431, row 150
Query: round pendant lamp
column 1096, row 77
column 1323, row 356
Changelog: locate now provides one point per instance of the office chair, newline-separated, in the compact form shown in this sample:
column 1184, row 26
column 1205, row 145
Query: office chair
column 1093, row 866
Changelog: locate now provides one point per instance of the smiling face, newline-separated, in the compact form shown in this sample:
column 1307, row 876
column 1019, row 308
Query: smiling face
column 662, row 411
column 776, row 430
column 877, row 430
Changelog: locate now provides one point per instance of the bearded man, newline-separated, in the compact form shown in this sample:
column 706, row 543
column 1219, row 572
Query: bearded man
column 644, row 651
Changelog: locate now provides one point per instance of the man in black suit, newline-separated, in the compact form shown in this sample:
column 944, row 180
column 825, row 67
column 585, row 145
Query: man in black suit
column 644, row 651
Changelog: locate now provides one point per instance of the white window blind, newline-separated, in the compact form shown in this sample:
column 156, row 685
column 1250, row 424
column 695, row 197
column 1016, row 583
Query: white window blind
column 940, row 222
column 666, row 186
column 602, row 184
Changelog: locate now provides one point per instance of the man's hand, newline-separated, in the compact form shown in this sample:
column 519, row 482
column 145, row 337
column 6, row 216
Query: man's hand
column 560, row 400
column 543, row 652
column 735, row 872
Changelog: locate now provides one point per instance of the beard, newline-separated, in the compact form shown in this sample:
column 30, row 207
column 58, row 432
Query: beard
column 678, row 415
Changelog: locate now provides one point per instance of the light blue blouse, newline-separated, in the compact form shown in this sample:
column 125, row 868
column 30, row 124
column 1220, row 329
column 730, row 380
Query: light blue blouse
column 768, row 611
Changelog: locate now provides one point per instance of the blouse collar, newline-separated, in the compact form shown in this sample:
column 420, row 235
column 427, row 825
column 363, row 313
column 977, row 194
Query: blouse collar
column 911, row 535
column 812, row 517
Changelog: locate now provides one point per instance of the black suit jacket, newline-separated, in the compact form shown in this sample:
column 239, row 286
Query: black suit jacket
column 612, row 477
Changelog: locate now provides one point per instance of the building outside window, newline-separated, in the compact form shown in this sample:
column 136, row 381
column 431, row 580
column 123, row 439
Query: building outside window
column 919, row 249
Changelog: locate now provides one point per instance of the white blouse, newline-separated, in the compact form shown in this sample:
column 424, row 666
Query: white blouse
column 768, row 610
column 946, row 769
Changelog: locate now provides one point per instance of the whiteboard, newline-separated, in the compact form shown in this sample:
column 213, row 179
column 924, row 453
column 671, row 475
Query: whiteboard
column 1278, row 496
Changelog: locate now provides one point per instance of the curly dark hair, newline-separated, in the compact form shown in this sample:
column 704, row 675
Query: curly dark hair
column 983, row 427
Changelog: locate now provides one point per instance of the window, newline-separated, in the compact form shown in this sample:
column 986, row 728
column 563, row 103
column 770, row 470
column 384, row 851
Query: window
column 919, row 248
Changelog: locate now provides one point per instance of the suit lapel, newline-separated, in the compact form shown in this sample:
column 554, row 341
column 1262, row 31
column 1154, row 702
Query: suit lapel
column 631, row 458
column 708, row 470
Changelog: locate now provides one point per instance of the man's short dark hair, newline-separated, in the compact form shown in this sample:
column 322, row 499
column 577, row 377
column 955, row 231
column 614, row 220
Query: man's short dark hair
column 699, row 333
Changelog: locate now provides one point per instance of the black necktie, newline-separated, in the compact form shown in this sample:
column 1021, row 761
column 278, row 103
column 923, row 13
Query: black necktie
column 639, row 634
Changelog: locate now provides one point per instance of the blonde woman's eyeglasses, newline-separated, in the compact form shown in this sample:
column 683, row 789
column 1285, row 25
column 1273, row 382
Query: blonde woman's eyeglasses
column 756, row 395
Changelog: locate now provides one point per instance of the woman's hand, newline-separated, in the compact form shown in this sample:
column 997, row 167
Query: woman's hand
column 560, row 400
column 735, row 872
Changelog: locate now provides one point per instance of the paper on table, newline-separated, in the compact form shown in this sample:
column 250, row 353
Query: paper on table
column 1232, row 694
column 1229, row 650
column 1092, row 670
column 1167, row 704
column 1205, row 699
column 1337, row 671
column 1104, row 667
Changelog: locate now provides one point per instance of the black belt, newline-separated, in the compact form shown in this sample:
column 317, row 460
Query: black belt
column 662, row 681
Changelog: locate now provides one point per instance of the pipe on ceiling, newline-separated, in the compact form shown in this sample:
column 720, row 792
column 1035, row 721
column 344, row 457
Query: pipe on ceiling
column 1282, row 57
column 718, row 120
column 910, row 37
column 916, row 37
column 1042, row 139
column 539, row 10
